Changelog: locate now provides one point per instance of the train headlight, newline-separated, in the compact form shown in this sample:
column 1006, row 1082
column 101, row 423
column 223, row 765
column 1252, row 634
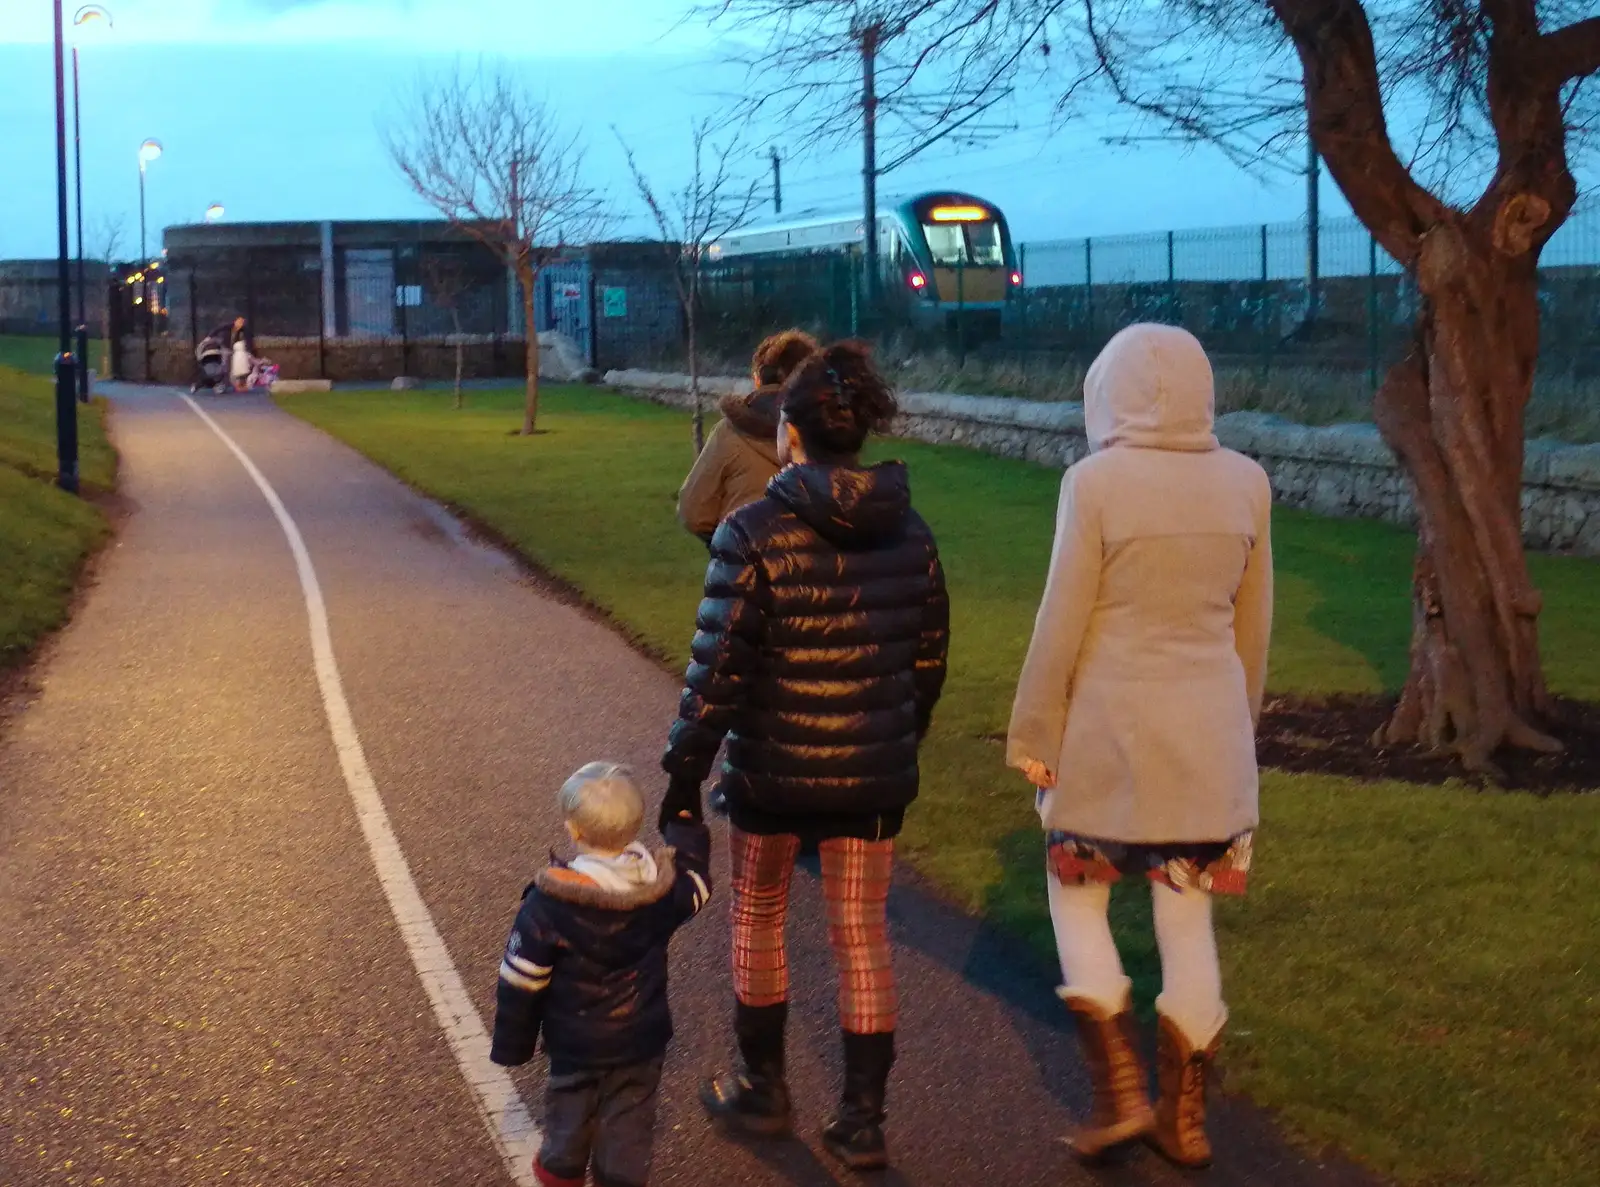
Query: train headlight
column 918, row 281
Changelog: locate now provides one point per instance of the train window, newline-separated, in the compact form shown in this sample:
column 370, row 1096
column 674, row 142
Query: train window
column 984, row 241
column 976, row 244
column 946, row 244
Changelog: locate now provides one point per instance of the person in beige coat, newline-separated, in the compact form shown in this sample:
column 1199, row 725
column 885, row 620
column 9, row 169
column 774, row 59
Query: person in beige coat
column 1135, row 717
column 741, row 455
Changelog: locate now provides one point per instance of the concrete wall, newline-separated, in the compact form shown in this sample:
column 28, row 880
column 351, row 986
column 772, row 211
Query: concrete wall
column 1344, row 471
column 29, row 296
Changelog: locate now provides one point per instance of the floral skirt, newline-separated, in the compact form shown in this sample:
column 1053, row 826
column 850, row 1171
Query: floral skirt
column 1217, row 867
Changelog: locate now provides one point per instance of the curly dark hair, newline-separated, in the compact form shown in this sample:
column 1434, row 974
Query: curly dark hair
column 779, row 354
column 835, row 398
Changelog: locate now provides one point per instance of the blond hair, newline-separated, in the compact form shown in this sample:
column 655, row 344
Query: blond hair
column 603, row 803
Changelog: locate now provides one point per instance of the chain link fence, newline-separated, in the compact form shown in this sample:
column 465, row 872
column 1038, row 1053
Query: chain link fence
column 1243, row 291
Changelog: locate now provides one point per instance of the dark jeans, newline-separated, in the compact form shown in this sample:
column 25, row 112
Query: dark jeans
column 607, row 1116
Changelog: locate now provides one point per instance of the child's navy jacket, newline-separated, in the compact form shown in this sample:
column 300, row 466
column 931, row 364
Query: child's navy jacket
column 588, row 965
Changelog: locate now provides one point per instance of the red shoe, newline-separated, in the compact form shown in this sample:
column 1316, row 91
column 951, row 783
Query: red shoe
column 546, row 1179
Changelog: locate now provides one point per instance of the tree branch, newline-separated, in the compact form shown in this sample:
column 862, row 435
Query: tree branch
column 1573, row 52
column 1344, row 102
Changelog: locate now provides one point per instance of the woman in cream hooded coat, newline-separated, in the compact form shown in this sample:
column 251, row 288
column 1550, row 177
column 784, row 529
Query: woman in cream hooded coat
column 1135, row 716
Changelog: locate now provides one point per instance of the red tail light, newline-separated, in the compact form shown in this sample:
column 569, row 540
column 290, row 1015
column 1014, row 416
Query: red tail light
column 1016, row 279
column 918, row 281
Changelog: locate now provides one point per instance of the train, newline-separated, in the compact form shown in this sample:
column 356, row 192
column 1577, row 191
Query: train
column 949, row 255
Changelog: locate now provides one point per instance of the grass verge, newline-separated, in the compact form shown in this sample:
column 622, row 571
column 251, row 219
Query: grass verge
column 36, row 354
column 45, row 534
column 1413, row 973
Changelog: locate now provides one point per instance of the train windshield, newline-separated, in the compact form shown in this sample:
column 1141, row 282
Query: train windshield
column 974, row 244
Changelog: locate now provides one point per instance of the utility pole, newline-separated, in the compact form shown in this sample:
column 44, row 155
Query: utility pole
column 777, row 184
column 1313, row 232
column 869, row 169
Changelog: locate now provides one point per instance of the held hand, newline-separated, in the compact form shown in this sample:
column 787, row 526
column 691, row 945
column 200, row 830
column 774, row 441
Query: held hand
column 1037, row 773
column 682, row 801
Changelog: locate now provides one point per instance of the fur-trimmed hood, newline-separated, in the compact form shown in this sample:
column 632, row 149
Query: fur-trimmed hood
column 754, row 414
column 560, row 881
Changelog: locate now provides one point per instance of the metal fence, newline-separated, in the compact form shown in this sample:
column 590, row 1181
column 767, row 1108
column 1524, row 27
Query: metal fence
column 1243, row 290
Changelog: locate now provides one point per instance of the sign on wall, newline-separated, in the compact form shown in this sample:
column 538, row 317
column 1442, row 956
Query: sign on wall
column 616, row 302
column 569, row 292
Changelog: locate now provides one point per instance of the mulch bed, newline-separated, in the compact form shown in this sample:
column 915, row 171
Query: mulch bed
column 1335, row 737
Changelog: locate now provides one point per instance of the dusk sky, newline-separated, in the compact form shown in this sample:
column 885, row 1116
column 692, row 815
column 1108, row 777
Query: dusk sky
column 272, row 108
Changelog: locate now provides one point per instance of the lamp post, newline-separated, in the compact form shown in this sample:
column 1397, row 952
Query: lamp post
column 149, row 151
column 88, row 14
column 66, row 397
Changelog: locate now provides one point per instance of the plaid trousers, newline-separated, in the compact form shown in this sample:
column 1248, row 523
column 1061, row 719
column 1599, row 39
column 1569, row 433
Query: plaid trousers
column 855, row 888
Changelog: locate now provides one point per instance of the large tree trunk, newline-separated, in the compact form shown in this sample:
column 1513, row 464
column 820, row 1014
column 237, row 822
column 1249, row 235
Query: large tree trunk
column 1452, row 412
column 527, row 275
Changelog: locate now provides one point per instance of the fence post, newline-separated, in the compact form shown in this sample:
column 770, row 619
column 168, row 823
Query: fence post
column 322, row 326
column 855, row 296
column 1372, row 313
column 1266, row 308
column 1088, row 291
column 1022, row 289
column 400, row 300
column 146, row 319
column 194, row 312
column 1173, row 314
column 961, row 313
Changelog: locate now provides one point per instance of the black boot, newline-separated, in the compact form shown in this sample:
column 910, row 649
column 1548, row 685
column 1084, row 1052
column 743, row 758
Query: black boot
column 855, row 1137
column 755, row 1099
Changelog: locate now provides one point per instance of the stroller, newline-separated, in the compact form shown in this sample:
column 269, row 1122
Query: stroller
column 211, row 356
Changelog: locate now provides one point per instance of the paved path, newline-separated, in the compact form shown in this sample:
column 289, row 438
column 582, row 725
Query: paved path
column 201, row 978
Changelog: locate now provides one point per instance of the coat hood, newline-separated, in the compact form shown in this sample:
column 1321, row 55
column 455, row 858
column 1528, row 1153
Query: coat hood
column 1151, row 387
column 623, row 888
column 754, row 414
column 849, row 506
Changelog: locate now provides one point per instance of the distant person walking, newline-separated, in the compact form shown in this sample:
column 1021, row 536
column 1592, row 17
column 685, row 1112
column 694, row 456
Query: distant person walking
column 819, row 654
column 741, row 455
column 1135, row 716
column 217, row 354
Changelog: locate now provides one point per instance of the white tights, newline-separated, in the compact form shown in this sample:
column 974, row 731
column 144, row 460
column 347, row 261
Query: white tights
column 1191, row 979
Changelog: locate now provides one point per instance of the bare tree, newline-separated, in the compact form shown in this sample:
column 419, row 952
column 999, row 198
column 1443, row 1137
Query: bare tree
column 446, row 283
column 1451, row 129
column 105, row 235
column 488, row 156
column 712, row 203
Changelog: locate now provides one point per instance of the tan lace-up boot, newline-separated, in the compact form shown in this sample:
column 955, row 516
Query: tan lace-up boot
column 1121, row 1111
column 1181, row 1072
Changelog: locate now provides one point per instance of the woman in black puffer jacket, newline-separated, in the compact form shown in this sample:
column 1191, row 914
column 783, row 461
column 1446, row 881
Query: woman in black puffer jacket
column 819, row 654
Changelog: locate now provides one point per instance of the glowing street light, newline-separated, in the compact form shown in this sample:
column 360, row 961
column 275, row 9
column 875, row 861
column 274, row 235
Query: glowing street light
column 214, row 212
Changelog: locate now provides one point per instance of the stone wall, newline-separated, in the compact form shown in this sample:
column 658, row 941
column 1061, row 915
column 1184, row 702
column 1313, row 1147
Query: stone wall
column 1345, row 471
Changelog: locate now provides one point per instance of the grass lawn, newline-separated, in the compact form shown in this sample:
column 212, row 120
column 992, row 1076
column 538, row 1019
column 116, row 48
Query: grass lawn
column 45, row 535
column 1413, row 975
column 36, row 353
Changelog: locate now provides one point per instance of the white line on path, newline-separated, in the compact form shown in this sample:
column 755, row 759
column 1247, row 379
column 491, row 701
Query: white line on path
column 511, row 1128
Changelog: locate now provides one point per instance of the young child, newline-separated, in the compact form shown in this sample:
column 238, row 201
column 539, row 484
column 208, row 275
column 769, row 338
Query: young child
column 587, row 963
